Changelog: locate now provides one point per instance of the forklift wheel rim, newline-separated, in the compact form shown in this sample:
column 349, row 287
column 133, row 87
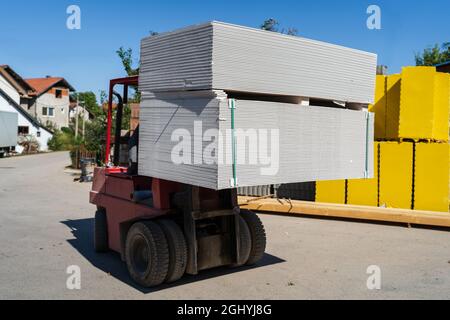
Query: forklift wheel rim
column 139, row 258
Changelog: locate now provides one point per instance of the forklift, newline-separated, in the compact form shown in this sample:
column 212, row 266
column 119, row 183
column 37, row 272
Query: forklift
column 165, row 229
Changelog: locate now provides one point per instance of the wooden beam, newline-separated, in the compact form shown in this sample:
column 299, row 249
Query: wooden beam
column 295, row 207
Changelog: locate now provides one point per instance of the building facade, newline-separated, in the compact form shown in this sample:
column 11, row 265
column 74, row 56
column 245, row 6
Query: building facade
column 12, row 89
column 51, row 102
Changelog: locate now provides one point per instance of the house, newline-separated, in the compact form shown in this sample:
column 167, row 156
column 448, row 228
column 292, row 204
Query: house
column 12, row 89
column 50, row 103
column 75, row 109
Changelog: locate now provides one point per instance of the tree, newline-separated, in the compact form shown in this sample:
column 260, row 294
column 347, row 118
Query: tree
column 88, row 100
column 272, row 24
column 126, row 56
column 432, row 56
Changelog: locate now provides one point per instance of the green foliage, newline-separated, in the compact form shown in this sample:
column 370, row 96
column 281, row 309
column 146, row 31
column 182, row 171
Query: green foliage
column 272, row 24
column 87, row 100
column 95, row 134
column 126, row 56
column 62, row 140
column 432, row 56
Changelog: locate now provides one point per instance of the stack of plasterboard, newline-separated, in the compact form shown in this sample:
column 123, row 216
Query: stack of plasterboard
column 187, row 137
column 222, row 56
column 214, row 109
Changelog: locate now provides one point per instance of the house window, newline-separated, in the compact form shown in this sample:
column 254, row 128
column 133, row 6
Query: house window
column 58, row 94
column 48, row 111
column 38, row 134
column 23, row 130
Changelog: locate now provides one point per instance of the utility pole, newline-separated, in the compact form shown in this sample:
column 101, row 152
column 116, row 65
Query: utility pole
column 76, row 118
column 84, row 118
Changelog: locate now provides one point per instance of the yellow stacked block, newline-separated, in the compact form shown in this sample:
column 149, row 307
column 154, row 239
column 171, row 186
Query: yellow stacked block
column 392, row 117
column 431, row 184
column 396, row 174
column 412, row 105
column 441, row 106
column 417, row 105
column 365, row 191
column 379, row 107
column 330, row 191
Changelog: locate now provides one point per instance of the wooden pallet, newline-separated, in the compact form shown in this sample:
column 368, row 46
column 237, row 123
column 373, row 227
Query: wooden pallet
column 295, row 207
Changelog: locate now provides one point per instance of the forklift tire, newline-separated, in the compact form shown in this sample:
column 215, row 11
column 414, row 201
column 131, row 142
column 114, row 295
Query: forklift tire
column 258, row 236
column 177, row 250
column 147, row 254
column 100, row 231
column 245, row 243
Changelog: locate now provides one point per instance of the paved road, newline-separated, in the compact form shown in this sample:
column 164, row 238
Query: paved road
column 46, row 223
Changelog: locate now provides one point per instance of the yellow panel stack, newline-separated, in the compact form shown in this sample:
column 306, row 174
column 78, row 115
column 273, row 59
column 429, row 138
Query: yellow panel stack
column 417, row 107
column 365, row 191
column 330, row 191
column 396, row 174
column 412, row 105
column 412, row 158
column 442, row 106
column 431, row 187
column 379, row 108
column 392, row 118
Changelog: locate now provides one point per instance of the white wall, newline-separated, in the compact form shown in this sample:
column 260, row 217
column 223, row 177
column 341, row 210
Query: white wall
column 23, row 121
column 9, row 89
column 61, row 116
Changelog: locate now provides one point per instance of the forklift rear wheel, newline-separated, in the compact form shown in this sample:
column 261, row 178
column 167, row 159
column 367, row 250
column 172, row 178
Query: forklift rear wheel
column 245, row 242
column 177, row 249
column 258, row 235
column 147, row 254
column 100, row 231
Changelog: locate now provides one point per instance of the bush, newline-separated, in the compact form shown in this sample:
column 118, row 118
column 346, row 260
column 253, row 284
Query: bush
column 62, row 141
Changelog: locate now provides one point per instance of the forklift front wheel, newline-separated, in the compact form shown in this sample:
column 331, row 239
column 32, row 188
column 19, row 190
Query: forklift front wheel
column 258, row 234
column 177, row 249
column 245, row 242
column 147, row 254
column 100, row 231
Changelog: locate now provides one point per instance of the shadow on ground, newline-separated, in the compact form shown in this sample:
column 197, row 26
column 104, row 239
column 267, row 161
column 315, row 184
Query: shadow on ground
column 111, row 263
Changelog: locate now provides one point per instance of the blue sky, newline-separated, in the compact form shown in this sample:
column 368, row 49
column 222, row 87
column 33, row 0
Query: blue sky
column 34, row 39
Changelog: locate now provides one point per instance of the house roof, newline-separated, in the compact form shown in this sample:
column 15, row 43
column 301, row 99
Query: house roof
column 23, row 112
column 22, row 87
column 42, row 85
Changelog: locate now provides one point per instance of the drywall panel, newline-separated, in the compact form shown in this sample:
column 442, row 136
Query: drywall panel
column 287, row 143
column 187, row 137
column 222, row 56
